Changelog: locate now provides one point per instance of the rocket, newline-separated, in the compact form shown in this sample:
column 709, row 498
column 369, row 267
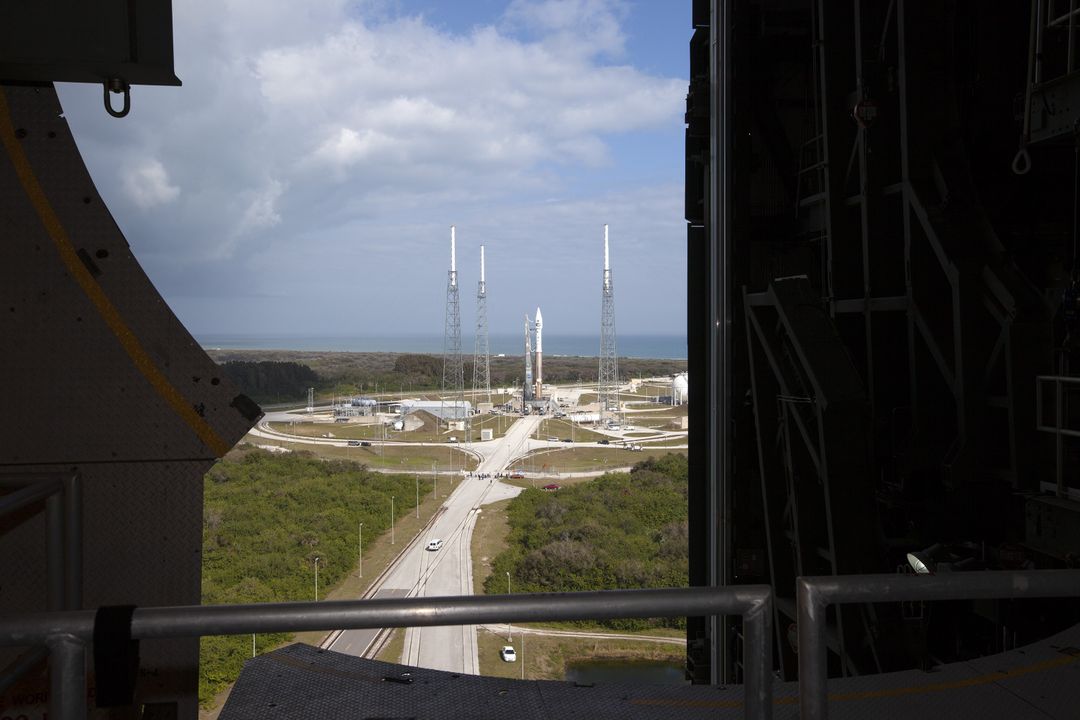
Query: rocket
column 539, row 325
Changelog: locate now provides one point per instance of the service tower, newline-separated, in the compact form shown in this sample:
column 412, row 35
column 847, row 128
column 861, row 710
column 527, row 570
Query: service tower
column 538, row 393
column 608, row 380
column 527, row 389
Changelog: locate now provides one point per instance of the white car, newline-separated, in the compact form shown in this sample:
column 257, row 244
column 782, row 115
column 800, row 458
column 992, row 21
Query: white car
column 435, row 544
column 508, row 654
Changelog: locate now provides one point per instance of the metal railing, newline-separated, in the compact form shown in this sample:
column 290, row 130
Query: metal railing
column 815, row 594
column 62, row 495
column 67, row 634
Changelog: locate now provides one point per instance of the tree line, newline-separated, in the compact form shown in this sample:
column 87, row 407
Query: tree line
column 622, row 530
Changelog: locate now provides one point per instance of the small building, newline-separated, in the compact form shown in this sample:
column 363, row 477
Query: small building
column 486, row 434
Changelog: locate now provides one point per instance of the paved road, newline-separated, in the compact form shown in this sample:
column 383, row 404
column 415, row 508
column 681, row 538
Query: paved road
column 449, row 571
column 419, row 572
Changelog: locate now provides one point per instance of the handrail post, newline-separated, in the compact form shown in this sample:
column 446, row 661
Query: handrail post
column 757, row 659
column 67, row 677
column 813, row 660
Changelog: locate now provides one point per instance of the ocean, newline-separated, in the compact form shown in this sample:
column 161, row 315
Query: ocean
column 634, row 346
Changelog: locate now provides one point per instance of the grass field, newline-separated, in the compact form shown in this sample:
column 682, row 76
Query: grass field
column 498, row 424
column 674, row 442
column 560, row 428
column 580, row 460
column 546, row 657
column 393, row 649
column 402, row 458
column 488, row 540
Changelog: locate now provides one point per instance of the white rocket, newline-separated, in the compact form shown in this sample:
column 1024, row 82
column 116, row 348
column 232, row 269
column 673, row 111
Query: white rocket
column 539, row 325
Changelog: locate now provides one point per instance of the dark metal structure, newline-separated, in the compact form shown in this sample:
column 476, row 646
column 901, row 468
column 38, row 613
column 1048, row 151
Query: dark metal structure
column 881, row 200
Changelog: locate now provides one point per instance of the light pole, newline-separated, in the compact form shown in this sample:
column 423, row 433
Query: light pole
column 316, row 578
column 360, row 548
column 417, row 476
column 509, row 638
column 391, row 519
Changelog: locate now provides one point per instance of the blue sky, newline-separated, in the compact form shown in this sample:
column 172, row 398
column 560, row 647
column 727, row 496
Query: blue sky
column 304, row 179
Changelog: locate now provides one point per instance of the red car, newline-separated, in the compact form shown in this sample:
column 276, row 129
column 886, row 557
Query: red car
column 516, row 476
column 552, row 486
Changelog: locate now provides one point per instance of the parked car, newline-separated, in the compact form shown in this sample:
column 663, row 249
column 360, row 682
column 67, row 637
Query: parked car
column 451, row 439
column 354, row 443
column 365, row 443
column 508, row 654
column 567, row 440
column 435, row 544
column 604, row 442
column 550, row 486
column 516, row 476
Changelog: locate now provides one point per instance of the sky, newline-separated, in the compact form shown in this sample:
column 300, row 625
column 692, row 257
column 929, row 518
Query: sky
column 304, row 179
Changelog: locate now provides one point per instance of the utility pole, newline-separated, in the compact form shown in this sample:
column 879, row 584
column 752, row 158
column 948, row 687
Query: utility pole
column 360, row 548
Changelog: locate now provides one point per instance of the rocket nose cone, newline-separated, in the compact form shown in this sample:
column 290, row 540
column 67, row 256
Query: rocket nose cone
column 539, row 317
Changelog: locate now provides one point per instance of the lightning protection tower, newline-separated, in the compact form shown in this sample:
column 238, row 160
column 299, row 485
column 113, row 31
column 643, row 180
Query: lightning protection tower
column 481, row 375
column 453, row 380
column 608, row 380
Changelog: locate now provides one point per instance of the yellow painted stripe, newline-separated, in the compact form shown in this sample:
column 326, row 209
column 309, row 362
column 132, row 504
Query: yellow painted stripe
column 874, row 694
column 97, row 296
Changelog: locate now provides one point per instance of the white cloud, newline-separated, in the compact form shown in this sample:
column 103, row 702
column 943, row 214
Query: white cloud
column 336, row 131
column 147, row 185
column 261, row 211
column 578, row 26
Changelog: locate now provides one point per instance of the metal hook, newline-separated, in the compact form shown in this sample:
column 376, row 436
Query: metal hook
column 1021, row 164
column 117, row 85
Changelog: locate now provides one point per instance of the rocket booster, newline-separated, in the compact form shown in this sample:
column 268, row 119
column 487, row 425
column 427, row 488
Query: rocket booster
column 539, row 324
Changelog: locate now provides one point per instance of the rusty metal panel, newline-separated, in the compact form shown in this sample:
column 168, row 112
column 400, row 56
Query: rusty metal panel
column 100, row 378
column 102, row 370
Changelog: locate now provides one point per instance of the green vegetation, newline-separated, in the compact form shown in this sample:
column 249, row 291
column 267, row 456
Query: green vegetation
column 403, row 458
column 488, row 540
column 386, row 374
column 266, row 518
column 623, row 530
column 271, row 381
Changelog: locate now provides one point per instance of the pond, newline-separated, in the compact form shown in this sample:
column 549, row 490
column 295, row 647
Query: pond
column 650, row 672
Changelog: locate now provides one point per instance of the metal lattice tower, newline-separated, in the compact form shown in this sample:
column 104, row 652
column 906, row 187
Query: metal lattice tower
column 608, row 379
column 453, row 380
column 527, row 389
column 481, row 375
